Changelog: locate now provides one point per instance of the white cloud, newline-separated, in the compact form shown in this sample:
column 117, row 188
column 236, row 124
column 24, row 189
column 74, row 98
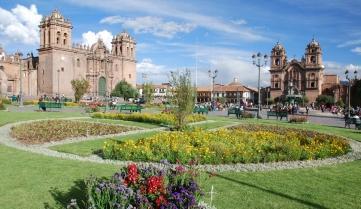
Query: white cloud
column 239, row 22
column 148, row 24
column 357, row 50
column 20, row 24
column 339, row 69
column 350, row 43
column 155, row 73
column 90, row 37
column 176, row 10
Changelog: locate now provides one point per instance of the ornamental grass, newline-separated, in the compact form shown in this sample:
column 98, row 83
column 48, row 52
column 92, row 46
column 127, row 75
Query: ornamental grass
column 160, row 118
column 241, row 144
column 56, row 130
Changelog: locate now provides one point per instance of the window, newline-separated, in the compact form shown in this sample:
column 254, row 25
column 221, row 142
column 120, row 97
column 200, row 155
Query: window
column 58, row 37
column 128, row 51
column 277, row 62
column 116, row 67
column 312, row 84
column 130, row 75
column 78, row 62
column 276, row 85
column 65, row 38
column 131, row 52
column 62, row 69
column 313, row 59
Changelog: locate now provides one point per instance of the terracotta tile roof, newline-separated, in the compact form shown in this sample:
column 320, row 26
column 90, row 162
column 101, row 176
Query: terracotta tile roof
column 223, row 88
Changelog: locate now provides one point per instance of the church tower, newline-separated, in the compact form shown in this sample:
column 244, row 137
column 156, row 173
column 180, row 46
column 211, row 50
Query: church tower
column 313, row 54
column 123, row 50
column 55, row 31
column 55, row 55
column 278, row 57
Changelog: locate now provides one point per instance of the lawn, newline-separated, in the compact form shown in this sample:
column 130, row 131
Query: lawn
column 32, row 181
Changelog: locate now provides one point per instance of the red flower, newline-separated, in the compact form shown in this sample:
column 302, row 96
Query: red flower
column 155, row 184
column 132, row 174
column 161, row 200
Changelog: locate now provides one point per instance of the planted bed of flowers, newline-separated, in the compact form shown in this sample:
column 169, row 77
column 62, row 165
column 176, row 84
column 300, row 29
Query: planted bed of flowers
column 241, row 144
column 160, row 118
column 143, row 188
column 56, row 130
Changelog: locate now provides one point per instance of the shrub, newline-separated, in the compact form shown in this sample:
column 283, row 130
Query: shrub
column 56, row 130
column 160, row 118
column 247, row 115
column 71, row 104
column 5, row 101
column 298, row 119
column 143, row 187
column 30, row 102
column 2, row 106
column 241, row 144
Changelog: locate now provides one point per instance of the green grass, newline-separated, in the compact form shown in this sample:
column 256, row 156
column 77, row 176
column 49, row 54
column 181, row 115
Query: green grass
column 123, row 122
column 87, row 148
column 32, row 181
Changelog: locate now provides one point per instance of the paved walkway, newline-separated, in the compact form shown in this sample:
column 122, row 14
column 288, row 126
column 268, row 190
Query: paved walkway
column 7, row 140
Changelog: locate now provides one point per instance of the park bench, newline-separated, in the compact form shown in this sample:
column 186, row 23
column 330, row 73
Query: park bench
column 130, row 108
column 234, row 110
column 277, row 114
column 50, row 105
column 355, row 121
column 200, row 110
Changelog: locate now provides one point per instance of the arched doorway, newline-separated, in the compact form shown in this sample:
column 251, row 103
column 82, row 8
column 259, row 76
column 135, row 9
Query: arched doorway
column 102, row 87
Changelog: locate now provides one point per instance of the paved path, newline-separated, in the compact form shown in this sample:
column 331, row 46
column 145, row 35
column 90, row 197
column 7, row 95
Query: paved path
column 7, row 140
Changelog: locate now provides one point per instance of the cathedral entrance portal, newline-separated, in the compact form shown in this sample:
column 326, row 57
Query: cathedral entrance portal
column 102, row 87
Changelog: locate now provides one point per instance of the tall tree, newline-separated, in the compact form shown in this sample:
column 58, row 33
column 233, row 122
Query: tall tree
column 125, row 90
column 182, row 96
column 80, row 87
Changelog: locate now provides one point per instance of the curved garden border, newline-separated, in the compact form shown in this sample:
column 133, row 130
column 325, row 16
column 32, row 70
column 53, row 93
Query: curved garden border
column 43, row 149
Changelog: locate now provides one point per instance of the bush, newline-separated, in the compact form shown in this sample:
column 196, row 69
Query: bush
column 30, row 102
column 298, row 119
column 56, row 130
column 247, row 115
column 5, row 101
column 241, row 144
column 143, row 187
column 160, row 118
column 2, row 106
column 71, row 104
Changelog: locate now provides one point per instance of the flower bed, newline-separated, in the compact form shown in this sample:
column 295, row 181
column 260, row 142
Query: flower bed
column 56, row 130
column 143, row 187
column 160, row 118
column 241, row 144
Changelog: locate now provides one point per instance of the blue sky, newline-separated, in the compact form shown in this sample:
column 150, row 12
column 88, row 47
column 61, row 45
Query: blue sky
column 215, row 34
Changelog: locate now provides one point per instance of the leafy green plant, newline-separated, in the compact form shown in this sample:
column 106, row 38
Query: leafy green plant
column 182, row 94
column 80, row 87
column 125, row 90
column 297, row 119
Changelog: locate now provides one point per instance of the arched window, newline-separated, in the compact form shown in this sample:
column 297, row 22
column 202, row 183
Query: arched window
column 313, row 59
column 131, row 52
column 49, row 37
column 58, row 37
column 44, row 35
column 128, row 51
column 116, row 67
column 312, row 84
column 78, row 62
column 276, row 85
column 65, row 38
column 277, row 62
column 130, row 75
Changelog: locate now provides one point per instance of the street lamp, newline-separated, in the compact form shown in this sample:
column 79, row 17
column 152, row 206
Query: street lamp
column 20, row 80
column 259, row 61
column 213, row 76
column 350, row 82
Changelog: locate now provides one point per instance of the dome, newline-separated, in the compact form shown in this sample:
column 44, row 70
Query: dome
column 313, row 43
column 56, row 15
column 278, row 47
column 123, row 36
column 98, row 45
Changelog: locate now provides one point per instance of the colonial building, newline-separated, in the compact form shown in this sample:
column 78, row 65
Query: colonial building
column 231, row 93
column 304, row 77
column 61, row 61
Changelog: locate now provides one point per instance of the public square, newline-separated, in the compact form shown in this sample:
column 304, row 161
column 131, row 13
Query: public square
column 152, row 104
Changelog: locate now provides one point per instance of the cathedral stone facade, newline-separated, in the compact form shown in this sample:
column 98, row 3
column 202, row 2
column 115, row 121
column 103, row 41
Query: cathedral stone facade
column 304, row 77
column 61, row 61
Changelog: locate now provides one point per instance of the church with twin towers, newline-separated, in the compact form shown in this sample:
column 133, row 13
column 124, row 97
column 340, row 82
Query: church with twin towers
column 60, row 61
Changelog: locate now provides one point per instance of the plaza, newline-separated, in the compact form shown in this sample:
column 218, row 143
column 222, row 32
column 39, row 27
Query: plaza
column 186, row 108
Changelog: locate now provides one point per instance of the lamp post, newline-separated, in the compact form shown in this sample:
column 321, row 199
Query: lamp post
column 259, row 61
column 213, row 76
column 1, row 68
column 21, row 81
column 350, row 82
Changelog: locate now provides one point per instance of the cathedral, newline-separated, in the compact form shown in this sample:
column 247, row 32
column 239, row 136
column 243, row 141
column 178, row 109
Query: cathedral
column 304, row 77
column 61, row 61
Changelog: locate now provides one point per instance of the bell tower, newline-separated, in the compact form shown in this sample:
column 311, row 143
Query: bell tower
column 55, row 31
column 278, row 57
column 313, row 54
column 123, row 45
